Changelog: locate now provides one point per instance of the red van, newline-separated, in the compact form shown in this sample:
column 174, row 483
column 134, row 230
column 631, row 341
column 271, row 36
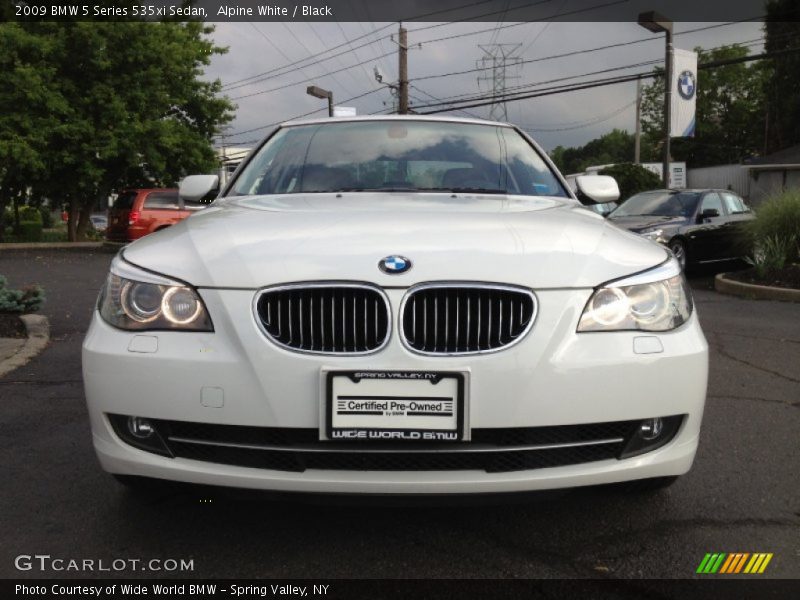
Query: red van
column 136, row 213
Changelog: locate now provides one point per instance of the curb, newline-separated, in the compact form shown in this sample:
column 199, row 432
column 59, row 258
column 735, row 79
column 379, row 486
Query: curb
column 754, row 292
column 38, row 336
column 52, row 246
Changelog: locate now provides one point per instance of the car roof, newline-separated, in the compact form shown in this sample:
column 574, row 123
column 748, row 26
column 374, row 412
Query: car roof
column 437, row 119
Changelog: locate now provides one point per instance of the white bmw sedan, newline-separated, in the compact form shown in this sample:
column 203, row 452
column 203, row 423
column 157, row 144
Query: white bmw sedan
column 396, row 305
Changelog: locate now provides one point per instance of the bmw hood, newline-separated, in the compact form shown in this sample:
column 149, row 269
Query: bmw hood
column 257, row 241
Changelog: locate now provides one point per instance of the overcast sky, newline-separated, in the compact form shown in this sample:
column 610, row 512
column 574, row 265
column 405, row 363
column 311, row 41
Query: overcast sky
column 581, row 116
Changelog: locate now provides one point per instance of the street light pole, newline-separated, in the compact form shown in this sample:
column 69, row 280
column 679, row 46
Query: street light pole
column 658, row 23
column 637, row 144
column 318, row 92
column 667, row 106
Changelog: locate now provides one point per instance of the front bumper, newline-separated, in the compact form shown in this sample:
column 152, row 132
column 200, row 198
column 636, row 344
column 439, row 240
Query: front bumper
column 552, row 377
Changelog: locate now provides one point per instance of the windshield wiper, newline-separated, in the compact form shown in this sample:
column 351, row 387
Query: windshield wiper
column 466, row 190
column 649, row 215
column 379, row 189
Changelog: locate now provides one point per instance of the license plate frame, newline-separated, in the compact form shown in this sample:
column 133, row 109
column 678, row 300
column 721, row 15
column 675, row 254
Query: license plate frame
column 415, row 430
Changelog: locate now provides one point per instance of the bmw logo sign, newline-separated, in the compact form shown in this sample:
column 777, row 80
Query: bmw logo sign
column 394, row 265
column 686, row 85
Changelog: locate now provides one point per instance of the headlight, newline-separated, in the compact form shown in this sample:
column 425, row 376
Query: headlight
column 131, row 304
column 657, row 235
column 658, row 300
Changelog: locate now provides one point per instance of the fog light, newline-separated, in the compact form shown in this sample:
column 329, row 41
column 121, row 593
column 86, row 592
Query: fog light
column 140, row 428
column 141, row 433
column 649, row 434
column 651, row 428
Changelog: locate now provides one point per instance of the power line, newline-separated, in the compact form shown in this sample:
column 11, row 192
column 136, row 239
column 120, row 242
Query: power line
column 256, row 79
column 579, row 125
column 472, row 70
column 287, row 67
column 273, row 44
column 344, row 37
column 287, row 85
column 612, row 81
column 450, row 100
column 299, row 41
column 502, row 20
column 510, row 25
column 509, row 94
column 587, row 50
column 474, row 17
column 349, row 42
column 421, row 91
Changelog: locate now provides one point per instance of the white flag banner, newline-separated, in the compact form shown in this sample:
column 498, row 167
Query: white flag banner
column 684, row 93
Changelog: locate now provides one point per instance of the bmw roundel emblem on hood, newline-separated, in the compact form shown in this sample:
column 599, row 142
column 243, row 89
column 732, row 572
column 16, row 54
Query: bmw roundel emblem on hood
column 394, row 265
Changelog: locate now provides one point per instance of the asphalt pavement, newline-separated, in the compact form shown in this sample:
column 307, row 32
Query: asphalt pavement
column 743, row 494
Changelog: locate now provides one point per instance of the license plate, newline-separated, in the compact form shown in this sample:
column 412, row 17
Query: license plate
column 395, row 406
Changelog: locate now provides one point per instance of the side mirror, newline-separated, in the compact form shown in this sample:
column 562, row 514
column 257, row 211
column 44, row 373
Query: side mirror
column 596, row 189
column 708, row 213
column 196, row 187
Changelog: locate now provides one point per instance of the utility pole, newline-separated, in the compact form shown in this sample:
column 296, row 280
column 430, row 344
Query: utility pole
column 497, row 59
column 638, row 137
column 403, row 71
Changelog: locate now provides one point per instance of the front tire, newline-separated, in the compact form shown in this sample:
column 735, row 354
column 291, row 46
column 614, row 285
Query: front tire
column 678, row 249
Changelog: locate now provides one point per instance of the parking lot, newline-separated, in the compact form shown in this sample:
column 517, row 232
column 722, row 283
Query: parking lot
column 742, row 495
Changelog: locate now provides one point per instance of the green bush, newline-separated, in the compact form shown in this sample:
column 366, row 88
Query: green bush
column 632, row 179
column 30, row 214
column 771, row 254
column 30, row 231
column 26, row 300
column 777, row 224
column 47, row 216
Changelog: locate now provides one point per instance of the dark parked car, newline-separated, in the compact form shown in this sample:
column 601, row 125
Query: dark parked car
column 699, row 226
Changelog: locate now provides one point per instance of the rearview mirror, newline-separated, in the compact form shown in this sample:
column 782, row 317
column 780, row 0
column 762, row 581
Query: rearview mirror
column 708, row 213
column 196, row 187
column 596, row 189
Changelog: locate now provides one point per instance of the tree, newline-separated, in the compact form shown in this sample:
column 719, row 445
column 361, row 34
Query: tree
column 24, row 132
column 133, row 110
column 782, row 85
column 632, row 179
column 729, row 113
column 612, row 147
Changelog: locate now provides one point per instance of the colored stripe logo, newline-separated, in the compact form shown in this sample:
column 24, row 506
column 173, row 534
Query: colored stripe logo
column 733, row 563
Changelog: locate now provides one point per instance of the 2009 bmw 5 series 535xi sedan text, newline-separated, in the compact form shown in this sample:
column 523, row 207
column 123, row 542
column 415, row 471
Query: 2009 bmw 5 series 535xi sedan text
column 396, row 305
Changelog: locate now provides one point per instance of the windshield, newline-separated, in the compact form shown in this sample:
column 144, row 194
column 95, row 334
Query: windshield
column 397, row 155
column 659, row 204
column 125, row 201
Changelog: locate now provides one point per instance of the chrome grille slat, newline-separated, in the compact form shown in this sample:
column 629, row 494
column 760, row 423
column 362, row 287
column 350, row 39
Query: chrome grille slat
column 279, row 317
column 468, row 318
column 325, row 318
column 375, row 331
